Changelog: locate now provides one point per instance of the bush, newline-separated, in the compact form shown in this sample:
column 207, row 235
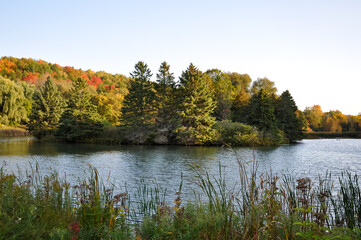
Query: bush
column 239, row 134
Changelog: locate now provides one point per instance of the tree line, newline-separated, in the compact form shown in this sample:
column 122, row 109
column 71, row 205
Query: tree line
column 212, row 107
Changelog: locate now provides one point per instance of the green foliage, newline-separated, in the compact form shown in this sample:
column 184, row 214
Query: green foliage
column 140, row 106
column 196, row 108
column 286, row 117
column 314, row 117
column 263, row 83
column 240, row 106
column 260, row 207
column 47, row 109
column 236, row 134
column 81, row 120
column 261, row 112
column 29, row 91
column 46, row 207
column 224, row 93
column 240, row 81
column 13, row 103
column 166, row 120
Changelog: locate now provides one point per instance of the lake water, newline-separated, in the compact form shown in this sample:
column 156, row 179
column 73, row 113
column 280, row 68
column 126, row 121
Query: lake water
column 165, row 164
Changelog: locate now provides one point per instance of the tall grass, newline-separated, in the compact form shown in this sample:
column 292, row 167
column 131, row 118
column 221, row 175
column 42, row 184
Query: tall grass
column 262, row 206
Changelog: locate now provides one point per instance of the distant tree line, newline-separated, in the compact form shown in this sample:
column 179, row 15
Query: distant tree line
column 332, row 121
column 211, row 107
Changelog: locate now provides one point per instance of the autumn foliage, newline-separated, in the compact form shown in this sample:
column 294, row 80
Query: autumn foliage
column 32, row 71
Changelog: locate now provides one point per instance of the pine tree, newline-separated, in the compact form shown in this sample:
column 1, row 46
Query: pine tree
column 47, row 109
column 286, row 117
column 196, row 108
column 80, row 121
column 261, row 112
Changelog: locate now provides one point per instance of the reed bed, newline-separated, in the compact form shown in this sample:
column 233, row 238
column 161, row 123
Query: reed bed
column 264, row 206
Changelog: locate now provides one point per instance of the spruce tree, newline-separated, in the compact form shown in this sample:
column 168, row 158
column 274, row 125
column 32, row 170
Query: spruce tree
column 286, row 114
column 81, row 121
column 140, row 106
column 165, row 96
column 196, row 108
column 262, row 113
column 48, row 107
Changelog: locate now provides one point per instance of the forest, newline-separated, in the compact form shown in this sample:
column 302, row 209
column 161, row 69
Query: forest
column 199, row 108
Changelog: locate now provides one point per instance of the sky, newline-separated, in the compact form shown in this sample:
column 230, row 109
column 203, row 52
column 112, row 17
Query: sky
column 311, row 47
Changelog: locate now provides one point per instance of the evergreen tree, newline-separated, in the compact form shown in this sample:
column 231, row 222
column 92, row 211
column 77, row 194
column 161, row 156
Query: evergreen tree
column 48, row 107
column 80, row 121
column 261, row 112
column 196, row 108
column 139, row 106
column 287, row 118
column 13, row 103
column 165, row 120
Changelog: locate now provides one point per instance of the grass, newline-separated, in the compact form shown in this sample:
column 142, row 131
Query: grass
column 9, row 131
column 265, row 206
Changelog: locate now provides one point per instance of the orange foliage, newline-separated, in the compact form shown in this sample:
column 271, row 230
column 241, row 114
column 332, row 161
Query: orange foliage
column 68, row 69
column 7, row 65
column 95, row 81
column 109, row 87
column 84, row 76
column 30, row 77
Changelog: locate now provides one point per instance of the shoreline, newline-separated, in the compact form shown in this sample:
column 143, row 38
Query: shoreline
column 14, row 132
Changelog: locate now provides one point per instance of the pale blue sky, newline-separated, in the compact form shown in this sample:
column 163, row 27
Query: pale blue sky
column 312, row 48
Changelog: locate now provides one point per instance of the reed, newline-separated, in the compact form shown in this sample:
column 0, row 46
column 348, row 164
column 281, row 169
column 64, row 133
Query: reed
column 262, row 206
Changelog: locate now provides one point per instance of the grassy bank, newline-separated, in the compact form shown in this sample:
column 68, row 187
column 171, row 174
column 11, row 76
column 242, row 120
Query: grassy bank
column 6, row 131
column 263, row 207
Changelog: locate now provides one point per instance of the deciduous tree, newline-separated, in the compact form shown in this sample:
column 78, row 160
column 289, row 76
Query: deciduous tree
column 224, row 93
column 12, row 103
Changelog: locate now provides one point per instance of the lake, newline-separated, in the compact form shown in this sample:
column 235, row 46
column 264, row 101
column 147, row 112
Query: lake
column 165, row 164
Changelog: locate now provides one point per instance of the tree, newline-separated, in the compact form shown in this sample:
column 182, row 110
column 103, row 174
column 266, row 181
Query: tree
column 239, row 110
column 314, row 117
column 334, row 121
column 81, row 120
column 165, row 119
column 224, row 93
column 286, row 117
column 196, row 108
column 13, row 103
column 140, row 106
column 139, row 109
column 48, row 107
column 261, row 112
column 240, row 81
column 265, row 84
column 301, row 117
